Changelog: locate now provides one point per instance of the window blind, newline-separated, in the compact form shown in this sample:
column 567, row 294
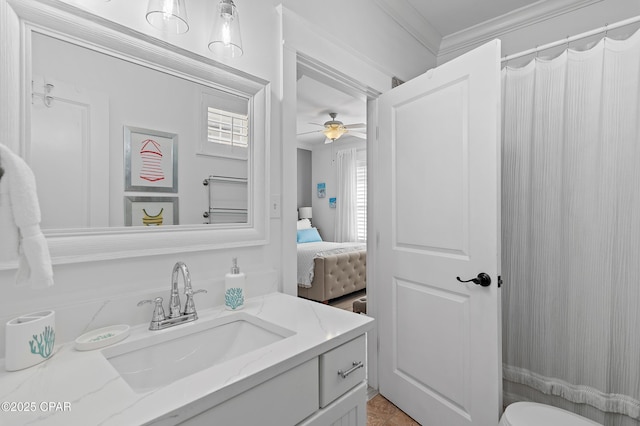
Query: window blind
column 361, row 200
column 227, row 128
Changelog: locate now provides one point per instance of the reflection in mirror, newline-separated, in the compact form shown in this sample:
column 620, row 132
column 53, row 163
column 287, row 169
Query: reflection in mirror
column 113, row 143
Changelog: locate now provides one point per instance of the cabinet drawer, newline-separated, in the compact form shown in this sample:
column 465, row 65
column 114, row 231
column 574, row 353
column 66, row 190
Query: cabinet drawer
column 340, row 371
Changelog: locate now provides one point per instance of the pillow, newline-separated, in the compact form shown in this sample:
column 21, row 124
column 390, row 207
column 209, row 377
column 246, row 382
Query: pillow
column 304, row 224
column 310, row 235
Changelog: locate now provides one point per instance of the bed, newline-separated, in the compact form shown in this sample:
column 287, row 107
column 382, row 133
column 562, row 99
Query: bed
column 327, row 270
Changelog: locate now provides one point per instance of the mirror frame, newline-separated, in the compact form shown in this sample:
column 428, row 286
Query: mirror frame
column 52, row 17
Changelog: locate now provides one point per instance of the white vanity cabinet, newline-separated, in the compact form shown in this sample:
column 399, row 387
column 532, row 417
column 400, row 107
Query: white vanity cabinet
column 283, row 400
column 343, row 389
column 326, row 390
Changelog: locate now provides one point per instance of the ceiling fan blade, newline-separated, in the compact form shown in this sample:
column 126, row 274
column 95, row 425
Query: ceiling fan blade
column 356, row 126
column 358, row 135
column 307, row 133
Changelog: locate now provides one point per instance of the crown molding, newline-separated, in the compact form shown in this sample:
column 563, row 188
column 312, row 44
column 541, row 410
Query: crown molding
column 520, row 18
column 413, row 22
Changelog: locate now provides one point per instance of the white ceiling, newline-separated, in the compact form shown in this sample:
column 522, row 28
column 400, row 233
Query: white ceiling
column 316, row 100
column 437, row 24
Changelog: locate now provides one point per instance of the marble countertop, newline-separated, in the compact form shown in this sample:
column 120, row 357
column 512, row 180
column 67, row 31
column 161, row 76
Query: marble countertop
column 82, row 388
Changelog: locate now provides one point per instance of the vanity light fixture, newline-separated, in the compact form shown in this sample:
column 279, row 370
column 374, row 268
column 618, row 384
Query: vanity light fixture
column 225, row 37
column 169, row 16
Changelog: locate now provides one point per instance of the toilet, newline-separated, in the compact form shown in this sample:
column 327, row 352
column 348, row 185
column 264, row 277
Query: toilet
column 534, row 414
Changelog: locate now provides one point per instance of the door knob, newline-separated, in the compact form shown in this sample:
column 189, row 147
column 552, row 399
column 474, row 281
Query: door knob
column 482, row 279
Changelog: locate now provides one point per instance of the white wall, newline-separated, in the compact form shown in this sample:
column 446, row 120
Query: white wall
column 324, row 170
column 361, row 28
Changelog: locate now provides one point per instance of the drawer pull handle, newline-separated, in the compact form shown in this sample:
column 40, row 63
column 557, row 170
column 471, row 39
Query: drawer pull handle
column 356, row 365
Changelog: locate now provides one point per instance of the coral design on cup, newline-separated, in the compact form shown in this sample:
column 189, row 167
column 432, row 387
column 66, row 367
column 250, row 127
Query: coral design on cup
column 43, row 345
column 234, row 298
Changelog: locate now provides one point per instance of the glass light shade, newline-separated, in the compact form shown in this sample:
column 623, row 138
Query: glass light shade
column 225, row 36
column 334, row 131
column 305, row 213
column 169, row 16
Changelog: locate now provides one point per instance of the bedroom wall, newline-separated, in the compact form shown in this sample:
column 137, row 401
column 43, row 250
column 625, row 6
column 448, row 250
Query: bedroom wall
column 324, row 170
column 304, row 177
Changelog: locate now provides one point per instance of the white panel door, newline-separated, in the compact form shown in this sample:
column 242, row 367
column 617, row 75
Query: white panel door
column 71, row 125
column 440, row 349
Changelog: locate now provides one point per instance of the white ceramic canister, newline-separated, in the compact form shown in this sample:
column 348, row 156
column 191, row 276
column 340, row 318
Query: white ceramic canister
column 29, row 339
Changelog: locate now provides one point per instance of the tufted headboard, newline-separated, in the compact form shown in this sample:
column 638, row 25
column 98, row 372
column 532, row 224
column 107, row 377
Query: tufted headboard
column 337, row 275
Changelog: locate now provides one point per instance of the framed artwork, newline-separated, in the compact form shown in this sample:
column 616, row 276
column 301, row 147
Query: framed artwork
column 332, row 202
column 322, row 190
column 150, row 211
column 150, row 160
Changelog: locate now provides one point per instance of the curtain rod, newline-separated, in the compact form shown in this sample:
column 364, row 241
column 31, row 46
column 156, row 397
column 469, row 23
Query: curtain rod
column 573, row 38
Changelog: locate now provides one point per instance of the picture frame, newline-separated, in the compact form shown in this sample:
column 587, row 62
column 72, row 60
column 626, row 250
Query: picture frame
column 332, row 202
column 322, row 190
column 150, row 211
column 150, row 160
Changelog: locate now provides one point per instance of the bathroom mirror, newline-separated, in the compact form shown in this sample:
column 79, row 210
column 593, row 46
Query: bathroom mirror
column 132, row 145
column 125, row 132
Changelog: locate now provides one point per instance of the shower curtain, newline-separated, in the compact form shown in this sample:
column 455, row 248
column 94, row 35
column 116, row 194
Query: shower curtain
column 571, row 232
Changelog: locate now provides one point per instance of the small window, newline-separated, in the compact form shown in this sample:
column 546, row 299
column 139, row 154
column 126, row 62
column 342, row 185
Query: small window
column 227, row 128
column 225, row 125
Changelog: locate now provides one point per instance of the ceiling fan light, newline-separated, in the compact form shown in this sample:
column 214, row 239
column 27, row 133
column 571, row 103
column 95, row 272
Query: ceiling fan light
column 169, row 16
column 225, row 40
column 334, row 131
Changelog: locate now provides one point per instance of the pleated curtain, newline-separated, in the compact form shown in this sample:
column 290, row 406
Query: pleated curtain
column 571, row 232
column 346, row 228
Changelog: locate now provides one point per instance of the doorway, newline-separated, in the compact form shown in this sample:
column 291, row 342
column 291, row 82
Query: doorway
column 320, row 91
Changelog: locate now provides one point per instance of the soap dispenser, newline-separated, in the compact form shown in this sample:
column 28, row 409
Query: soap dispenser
column 234, row 288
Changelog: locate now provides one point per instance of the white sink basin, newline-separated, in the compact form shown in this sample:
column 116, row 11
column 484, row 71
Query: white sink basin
column 178, row 352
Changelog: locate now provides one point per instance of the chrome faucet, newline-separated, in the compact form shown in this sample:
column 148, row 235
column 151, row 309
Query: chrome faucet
column 159, row 321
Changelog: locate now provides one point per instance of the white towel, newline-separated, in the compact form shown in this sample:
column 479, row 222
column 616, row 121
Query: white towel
column 34, row 260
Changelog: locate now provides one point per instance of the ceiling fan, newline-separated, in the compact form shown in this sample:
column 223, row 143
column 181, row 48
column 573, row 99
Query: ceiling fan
column 334, row 129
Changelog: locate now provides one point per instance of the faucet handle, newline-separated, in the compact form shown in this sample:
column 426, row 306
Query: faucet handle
column 189, row 306
column 158, row 310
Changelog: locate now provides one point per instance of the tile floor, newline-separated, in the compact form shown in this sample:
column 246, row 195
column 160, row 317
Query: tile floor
column 380, row 412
